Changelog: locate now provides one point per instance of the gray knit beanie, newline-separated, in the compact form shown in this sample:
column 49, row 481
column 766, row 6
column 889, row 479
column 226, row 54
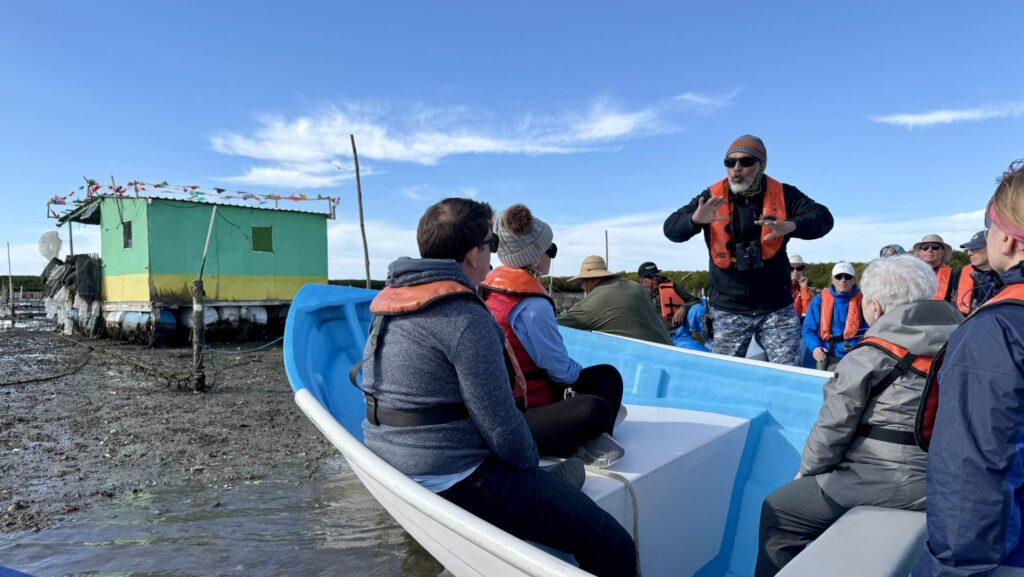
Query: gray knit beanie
column 522, row 239
column 749, row 144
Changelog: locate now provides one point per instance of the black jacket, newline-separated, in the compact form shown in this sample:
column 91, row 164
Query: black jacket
column 762, row 290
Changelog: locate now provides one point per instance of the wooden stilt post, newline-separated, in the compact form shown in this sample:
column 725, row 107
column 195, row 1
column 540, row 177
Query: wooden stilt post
column 10, row 284
column 198, row 318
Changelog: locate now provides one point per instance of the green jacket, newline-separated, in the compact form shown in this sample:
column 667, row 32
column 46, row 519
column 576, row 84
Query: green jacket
column 620, row 307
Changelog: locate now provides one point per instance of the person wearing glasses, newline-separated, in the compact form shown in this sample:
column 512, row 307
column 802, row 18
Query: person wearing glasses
column 668, row 297
column 936, row 253
column 747, row 219
column 835, row 319
column 861, row 450
column 442, row 411
column 978, row 282
column 800, row 284
column 975, row 478
column 569, row 409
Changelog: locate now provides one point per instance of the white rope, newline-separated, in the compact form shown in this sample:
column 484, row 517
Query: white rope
column 636, row 513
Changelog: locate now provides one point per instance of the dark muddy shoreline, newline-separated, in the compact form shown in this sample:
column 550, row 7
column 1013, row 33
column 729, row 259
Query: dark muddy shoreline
column 110, row 428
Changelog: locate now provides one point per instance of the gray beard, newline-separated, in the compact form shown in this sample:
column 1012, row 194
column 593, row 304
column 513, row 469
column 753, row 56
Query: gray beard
column 738, row 188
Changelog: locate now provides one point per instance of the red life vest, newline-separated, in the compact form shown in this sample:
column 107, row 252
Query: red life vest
column 853, row 316
column 774, row 204
column 1010, row 295
column 503, row 289
column 670, row 300
column 965, row 290
column 943, row 274
column 394, row 301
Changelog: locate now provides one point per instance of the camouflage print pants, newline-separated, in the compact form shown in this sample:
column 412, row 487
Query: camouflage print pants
column 778, row 333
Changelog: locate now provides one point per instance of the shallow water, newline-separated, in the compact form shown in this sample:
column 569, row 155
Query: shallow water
column 289, row 524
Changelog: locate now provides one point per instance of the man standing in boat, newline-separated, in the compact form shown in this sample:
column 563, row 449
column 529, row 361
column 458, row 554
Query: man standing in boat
column 439, row 404
column 747, row 219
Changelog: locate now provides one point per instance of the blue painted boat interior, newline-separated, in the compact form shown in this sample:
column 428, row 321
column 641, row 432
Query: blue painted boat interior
column 326, row 333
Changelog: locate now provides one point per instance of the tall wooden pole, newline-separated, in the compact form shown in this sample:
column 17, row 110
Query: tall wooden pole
column 10, row 283
column 198, row 323
column 606, row 250
column 359, row 199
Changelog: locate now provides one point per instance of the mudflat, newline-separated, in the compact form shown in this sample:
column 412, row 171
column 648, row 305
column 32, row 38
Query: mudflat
column 84, row 424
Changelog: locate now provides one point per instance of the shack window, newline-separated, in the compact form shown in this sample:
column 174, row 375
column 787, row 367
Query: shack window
column 126, row 228
column 263, row 239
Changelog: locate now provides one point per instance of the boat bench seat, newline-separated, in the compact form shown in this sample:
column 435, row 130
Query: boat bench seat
column 865, row 542
column 682, row 465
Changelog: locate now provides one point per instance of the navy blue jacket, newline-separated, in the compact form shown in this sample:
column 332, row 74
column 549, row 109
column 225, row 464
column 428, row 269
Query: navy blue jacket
column 975, row 479
column 812, row 323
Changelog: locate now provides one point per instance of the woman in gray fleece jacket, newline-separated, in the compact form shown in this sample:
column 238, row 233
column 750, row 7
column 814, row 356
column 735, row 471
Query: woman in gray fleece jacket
column 440, row 346
column 861, row 451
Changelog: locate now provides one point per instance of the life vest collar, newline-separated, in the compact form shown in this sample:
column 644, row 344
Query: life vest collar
column 965, row 290
column 408, row 299
column 513, row 281
column 943, row 274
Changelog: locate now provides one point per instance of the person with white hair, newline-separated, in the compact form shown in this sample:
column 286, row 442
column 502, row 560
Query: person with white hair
column 862, row 449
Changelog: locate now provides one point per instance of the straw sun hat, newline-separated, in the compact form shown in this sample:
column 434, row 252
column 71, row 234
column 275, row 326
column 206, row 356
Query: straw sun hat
column 593, row 267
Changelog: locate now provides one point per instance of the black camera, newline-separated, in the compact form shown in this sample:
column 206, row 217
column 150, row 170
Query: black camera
column 748, row 255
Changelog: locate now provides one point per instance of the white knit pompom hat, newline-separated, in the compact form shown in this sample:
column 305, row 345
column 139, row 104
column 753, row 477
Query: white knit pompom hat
column 522, row 238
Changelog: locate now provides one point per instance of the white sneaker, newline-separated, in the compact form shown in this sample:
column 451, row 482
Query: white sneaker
column 602, row 451
column 621, row 415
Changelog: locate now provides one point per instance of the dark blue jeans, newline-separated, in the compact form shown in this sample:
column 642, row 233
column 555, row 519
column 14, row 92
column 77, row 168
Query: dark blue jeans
column 534, row 505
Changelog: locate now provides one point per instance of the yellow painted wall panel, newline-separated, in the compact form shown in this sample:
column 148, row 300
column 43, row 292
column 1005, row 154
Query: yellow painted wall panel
column 126, row 287
column 171, row 287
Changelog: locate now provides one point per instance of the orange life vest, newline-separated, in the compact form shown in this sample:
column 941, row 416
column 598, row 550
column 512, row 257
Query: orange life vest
column 774, row 204
column 943, row 274
column 965, row 290
column 502, row 290
column 853, row 316
column 801, row 299
column 1010, row 295
column 393, row 301
column 670, row 300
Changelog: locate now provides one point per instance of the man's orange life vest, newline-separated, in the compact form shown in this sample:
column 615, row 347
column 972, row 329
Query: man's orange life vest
column 502, row 290
column 853, row 316
column 774, row 204
column 965, row 290
column 670, row 299
column 943, row 274
column 801, row 299
column 395, row 301
column 1010, row 295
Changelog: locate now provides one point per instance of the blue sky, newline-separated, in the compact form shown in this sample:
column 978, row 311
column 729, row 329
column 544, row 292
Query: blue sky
column 598, row 115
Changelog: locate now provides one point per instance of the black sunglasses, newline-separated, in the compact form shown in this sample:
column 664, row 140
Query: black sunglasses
column 931, row 246
column 745, row 161
column 492, row 243
column 552, row 251
column 843, row 276
column 800, row 268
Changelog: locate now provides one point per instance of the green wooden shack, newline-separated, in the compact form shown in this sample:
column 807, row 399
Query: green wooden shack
column 151, row 249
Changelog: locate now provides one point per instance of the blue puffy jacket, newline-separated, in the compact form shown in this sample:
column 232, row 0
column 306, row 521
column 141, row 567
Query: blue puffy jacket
column 694, row 323
column 812, row 322
column 975, row 478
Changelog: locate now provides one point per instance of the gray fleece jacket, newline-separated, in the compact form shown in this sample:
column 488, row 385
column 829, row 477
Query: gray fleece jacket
column 451, row 351
column 855, row 470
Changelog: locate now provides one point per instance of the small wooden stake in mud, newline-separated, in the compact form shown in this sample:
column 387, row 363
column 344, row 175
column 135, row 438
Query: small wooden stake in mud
column 198, row 334
column 198, row 324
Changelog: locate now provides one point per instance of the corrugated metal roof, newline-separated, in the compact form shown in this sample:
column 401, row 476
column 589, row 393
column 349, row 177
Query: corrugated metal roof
column 74, row 213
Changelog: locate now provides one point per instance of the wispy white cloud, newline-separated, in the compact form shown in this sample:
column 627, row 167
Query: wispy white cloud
column 949, row 116
column 299, row 152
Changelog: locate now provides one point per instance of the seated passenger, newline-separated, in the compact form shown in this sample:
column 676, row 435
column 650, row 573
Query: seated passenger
column 862, row 451
column 669, row 298
column 891, row 250
column 565, row 405
column 800, row 284
column 613, row 305
column 834, row 323
column 439, row 405
column 975, row 482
